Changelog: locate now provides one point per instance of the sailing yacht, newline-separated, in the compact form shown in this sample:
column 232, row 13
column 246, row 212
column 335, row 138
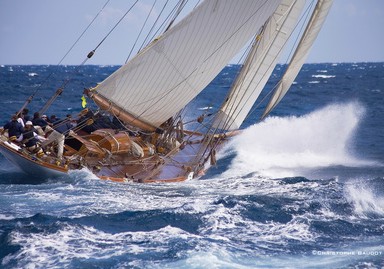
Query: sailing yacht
column 148, row 94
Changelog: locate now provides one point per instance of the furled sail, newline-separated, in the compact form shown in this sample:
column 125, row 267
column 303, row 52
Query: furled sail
column 314, row 25
column 259, row 65
column 158, row 82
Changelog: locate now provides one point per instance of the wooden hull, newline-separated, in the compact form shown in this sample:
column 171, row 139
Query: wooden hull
column 109, row 156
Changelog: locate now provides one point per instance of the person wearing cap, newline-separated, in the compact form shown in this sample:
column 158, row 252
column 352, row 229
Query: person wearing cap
column 31, row 139
column 45, row 117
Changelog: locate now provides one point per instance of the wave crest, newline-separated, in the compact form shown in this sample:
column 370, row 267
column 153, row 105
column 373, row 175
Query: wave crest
column 280, row 146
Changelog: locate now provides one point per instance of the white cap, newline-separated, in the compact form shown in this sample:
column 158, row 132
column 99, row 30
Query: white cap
column 28, row 123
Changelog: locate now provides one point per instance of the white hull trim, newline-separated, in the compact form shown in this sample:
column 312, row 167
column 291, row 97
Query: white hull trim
column 27, row 165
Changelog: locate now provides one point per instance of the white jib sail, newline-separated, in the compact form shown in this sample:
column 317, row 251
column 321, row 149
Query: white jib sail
column 319, row 14
column 159, row 81
column 259, row 65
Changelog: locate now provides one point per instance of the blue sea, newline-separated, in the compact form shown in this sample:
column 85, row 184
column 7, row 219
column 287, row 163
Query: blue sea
column 302, row 189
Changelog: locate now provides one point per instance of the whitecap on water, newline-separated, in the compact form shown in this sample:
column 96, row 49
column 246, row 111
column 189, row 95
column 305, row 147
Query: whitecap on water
column 57, row 249
column 323, row 76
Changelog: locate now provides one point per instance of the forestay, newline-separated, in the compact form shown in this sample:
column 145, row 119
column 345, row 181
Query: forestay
column 259, row 65
column 158, row 82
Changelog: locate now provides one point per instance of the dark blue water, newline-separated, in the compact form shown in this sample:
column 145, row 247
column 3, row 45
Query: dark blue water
column 302, row 189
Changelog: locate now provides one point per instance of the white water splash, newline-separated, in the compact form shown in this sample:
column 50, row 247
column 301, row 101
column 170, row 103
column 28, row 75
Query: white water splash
column 364, row 200
column 281, row 147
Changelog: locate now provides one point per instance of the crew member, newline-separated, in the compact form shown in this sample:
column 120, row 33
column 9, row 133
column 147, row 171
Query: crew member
column 32, row 140
column 15, row 129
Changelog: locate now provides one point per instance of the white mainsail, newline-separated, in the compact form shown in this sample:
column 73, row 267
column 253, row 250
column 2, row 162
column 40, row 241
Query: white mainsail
column 259, row 65
column 314, row 25
column 158, row 82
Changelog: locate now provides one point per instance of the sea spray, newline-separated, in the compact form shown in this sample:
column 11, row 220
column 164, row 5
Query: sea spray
column 366, row 202
column 279, row 146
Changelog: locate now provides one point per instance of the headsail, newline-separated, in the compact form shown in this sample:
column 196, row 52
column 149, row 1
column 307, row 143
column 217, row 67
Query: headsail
column 312, row 30
column 157, row 83
column 259, row 65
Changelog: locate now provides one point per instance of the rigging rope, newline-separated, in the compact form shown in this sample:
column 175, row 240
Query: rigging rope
column 153, row 26
column 294, row 46
column 28, row 101
column 89, row 25
column 301, row 29
column 141, row 30
column 90, row 54
column 179, row 9
column 113, row 28
column 227, row 122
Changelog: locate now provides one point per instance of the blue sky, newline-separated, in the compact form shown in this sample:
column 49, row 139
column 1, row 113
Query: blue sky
column 41, row 31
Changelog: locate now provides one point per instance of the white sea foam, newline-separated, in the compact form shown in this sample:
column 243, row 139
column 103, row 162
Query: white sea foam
column 323, row 76
column 56, row 250
column 5, row 217
column 228, row 224
column 85, row 194
column 364, row 200
column 214, row 258
column 316, row 259
column 205, row 108
column 281, row 147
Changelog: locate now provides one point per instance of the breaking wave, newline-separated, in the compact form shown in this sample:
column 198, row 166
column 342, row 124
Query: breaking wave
column 366, row 199
column 283, row 146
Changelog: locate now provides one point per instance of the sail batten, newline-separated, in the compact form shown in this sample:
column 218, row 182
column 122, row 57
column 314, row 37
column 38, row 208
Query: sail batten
column 172, row 70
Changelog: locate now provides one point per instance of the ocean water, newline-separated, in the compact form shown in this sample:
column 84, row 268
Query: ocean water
column 302, row 189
